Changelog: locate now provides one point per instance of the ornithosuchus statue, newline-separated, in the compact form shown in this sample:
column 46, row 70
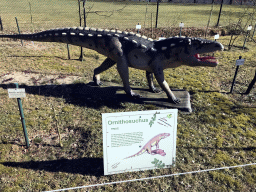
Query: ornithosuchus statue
column 133, row 50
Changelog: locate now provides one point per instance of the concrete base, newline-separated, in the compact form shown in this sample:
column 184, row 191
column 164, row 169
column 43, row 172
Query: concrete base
column 158, row 99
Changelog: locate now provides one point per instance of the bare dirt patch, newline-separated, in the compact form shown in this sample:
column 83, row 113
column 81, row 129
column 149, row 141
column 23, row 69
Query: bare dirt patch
column 29, row 78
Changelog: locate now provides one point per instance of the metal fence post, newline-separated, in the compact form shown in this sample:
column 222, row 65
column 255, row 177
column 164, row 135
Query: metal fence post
column 22, row 118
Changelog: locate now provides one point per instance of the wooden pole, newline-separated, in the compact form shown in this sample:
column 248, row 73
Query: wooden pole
column 157, row 11
column 217, row 25
column 251, row 85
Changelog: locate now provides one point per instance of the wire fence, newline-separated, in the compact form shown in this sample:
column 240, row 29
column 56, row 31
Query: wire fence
column 40, row 15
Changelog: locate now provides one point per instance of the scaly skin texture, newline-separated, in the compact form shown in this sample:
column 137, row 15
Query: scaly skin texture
column 151, row 143
column 133, row 50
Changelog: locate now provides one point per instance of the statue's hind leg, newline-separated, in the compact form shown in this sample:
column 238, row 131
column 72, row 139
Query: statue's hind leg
column 103, row 67
column 151, row 85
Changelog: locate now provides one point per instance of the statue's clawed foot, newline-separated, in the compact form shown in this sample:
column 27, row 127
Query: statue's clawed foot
column 134, row 95
column 156, row 90
column 96, row 81
column 174, row 100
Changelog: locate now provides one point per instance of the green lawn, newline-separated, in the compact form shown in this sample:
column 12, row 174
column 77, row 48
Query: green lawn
column 220, row 132
column 51, row 14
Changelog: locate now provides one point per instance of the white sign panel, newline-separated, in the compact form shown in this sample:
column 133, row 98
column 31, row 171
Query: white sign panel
column 181, row 24
column 239, row 62
column 249, row 28
column 217, row 36
column 16, row 93
column 162, row 38
column 142, row 140
column 138, row 26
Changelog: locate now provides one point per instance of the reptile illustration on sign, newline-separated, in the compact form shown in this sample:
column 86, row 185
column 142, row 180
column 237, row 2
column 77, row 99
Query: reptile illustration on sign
column 148, row 147
column 131, row 142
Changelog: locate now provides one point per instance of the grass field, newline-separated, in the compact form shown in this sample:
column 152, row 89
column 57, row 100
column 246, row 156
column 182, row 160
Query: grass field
column 51, row 14
column 220, row 132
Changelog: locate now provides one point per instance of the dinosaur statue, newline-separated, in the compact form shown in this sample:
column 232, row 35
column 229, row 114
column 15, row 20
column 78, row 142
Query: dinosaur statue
column 148, row 147
column 133, row 50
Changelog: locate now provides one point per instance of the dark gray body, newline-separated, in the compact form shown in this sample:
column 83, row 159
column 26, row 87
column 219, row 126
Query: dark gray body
column 133, row 50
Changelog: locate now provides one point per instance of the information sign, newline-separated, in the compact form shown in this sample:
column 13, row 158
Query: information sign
column 138, row 26
column 162, row 38
column 142, row 140
column 239, row 62
column 16, row 93
column 216, row 36
column 181, row 25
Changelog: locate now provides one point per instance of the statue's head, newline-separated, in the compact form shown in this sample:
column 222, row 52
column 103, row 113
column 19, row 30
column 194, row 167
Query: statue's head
column 188, row 50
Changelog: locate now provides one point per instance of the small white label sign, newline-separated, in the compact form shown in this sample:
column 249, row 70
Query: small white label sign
column 239, row 62
column 16, row 93
column 138, row 26
column 181, row 24
column 162, row 38
column 217, row 36
column 141, row 140
column 249, row 28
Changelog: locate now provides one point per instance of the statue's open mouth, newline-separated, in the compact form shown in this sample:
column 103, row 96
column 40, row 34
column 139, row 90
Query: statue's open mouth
column 209, row 59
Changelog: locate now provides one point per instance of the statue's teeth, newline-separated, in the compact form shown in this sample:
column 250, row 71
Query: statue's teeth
column 113, row 31
column 144, row 37
column 93, row 29
column 164, row 48
column 99, row 35
column 126, row 38
column 64, row 34
column 138, row 35
column 90, row 35
column 118, row 31
column 100, row 30
column 134, row 41
column 150, row 39
column 106, row 30
column 81, row 34
column 87, row 28
column 80, row 28
column 172, row 45
column 72, row 34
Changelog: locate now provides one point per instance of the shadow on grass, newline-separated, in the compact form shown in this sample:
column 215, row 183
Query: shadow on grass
column 78, row 94
column 90, row 95
column 84, row 166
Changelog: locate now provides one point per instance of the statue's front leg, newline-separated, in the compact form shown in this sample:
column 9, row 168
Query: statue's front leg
column 123, row 70
column 159, row 74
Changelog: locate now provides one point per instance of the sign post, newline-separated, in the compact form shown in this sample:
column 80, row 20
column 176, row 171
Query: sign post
column 249, row 28
column 181, row 25
column 141, row 140
column 217, row 36
column 239, row 62
column 138, row 27
column 19, row 93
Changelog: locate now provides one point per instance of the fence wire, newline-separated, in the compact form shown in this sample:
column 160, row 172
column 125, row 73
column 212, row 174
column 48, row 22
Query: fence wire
column 45, row 14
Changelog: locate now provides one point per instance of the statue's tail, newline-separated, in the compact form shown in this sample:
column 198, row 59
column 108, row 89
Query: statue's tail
column 31, row 37
column 53, row 35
